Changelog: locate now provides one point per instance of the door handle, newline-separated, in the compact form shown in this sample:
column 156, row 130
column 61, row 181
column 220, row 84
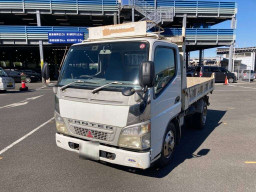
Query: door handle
column 177, row 99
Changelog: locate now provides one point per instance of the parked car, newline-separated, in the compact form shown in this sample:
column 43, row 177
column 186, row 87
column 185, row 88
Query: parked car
column 245, row 74
column 5, row 81
column 190, row 71
column 220, row 73
column 16, row 75
column 34, row 76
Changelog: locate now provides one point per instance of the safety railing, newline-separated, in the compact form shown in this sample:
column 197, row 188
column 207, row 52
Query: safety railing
column 194, row 8
column 152, row 13
column 198, row 35
column 27, row 33
column 61, row 5
column 193, row 36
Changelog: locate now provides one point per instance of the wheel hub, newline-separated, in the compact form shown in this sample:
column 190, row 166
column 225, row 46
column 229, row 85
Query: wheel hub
column 169, row 143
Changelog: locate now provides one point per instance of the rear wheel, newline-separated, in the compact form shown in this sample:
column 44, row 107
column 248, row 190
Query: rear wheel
column 230, row 80
column 200, row 118
column 168, row 146
column 28, row 80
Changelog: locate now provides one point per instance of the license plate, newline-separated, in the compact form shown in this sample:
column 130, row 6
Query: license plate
column 10, row 83
column 90, row 150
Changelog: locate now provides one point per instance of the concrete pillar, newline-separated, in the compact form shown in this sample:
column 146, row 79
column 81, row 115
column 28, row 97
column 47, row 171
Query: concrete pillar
column 231, row 48
column 187, row 59
column 254, row 61
column 230, row 60
column 200, row 57
column 184, row 25
column 38, row 19
column 115, row 19
column 133, row 16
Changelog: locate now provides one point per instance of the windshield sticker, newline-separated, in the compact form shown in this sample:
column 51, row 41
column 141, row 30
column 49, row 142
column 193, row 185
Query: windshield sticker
column 142, row 46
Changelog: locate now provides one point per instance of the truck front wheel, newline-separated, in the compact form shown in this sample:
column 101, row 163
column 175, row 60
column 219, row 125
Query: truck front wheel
column 169, row 144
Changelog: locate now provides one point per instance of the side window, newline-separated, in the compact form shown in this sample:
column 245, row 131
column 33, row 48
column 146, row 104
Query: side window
column 223, row 70
column 215, row 69
column 206, row 69
column 165, row 67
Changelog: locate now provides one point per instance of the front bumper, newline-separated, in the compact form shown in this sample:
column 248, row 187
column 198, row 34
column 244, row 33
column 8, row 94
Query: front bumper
column 122, row 157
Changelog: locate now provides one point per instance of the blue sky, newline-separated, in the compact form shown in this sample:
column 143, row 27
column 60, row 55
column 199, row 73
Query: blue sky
column 246, row 26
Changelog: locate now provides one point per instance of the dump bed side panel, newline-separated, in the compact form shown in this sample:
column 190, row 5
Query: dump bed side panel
column 197, row 87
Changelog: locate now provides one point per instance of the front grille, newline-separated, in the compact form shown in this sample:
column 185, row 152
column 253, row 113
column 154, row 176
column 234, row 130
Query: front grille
column 92, row 130
column 95, row 134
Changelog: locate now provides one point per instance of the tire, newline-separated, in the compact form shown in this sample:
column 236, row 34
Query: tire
column 28, row 80
column 168, row 146
column 199, row 119
column 230, row 80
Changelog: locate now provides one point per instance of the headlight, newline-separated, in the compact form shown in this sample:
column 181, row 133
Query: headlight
column 60, row 124
column 135, row 136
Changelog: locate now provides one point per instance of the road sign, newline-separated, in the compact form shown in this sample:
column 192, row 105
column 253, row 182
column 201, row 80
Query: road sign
column 65, row 37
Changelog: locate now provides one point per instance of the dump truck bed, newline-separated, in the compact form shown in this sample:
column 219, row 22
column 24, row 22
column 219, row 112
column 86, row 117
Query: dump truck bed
column 197, row 87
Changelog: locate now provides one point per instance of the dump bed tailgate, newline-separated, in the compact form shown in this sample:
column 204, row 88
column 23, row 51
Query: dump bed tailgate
column 197, row 87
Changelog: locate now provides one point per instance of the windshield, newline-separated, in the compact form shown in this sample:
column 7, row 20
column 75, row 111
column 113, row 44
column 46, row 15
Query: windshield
column 98, row 64
column 3, row 73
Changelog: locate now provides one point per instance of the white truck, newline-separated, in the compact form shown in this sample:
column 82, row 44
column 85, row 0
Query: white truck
column 122, row 97
column 5, row 81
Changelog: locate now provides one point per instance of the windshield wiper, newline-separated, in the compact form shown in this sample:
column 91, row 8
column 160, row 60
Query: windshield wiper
column 106, row 85
column 74, row 82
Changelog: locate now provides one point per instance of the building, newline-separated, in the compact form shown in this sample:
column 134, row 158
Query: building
column 25, row 25
column 246, row 56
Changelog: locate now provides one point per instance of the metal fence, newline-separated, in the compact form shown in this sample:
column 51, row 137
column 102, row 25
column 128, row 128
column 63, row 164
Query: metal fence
column 203, row 35
column 41, row 33
column 195, row 8
column 61, row 5
column 28, row 33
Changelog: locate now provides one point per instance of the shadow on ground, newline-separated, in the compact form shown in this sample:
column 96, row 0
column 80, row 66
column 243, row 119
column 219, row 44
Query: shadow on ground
column 190, row 141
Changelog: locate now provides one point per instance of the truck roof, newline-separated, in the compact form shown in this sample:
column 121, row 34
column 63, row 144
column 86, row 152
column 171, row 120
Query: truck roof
column 136, row 31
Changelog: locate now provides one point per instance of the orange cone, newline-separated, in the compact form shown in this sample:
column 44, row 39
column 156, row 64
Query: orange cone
column 23, row 86
column 226, row 81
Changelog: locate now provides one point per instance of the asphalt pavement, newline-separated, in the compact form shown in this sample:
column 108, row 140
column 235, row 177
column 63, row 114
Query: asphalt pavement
column 222, row 157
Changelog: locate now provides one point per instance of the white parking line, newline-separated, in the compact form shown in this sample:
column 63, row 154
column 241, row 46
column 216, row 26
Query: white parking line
column 24, row 102
column 25, row 136
column 41, row 88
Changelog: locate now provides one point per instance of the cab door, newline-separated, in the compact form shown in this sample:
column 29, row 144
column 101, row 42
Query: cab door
column 166, row 94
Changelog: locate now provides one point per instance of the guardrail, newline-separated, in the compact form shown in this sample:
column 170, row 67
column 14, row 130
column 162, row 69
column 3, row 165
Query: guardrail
column 32, row 33
column 203, row 36
column 194, row 8
column 61, row 5
column 194, row 36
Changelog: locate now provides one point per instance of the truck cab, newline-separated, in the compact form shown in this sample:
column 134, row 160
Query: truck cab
column 120, row 100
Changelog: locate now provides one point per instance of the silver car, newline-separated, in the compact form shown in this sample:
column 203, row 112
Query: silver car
column 246, row 74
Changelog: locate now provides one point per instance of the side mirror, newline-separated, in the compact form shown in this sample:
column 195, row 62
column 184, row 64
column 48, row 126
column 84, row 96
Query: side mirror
column 128, row 91
column 147, row 74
